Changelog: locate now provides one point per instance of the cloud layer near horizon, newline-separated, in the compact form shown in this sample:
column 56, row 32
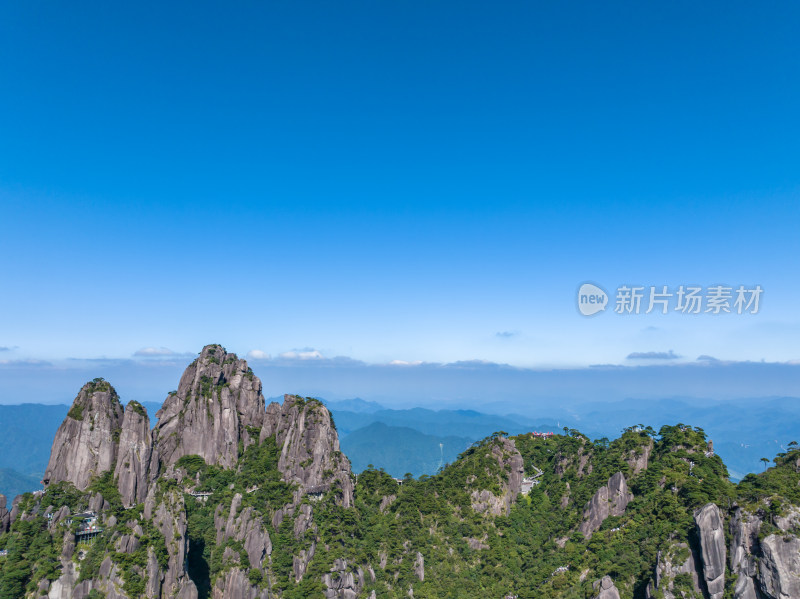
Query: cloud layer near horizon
column 653, row 355
column 487, row 386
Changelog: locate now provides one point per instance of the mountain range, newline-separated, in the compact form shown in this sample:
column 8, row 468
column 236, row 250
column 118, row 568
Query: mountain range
column 228, row 497
column 744, row 431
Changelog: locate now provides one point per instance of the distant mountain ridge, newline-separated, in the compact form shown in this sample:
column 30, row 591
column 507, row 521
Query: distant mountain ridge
column 26, row 434
column 400, row 450
column 12, row 483
column 743, row 431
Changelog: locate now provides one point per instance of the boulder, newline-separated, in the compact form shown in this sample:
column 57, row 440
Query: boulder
column 605, row 589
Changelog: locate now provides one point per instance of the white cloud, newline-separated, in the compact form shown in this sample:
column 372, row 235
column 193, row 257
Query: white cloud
column 305, row 354
column 653, row 355
column 257, row 354
column 25, row 363
column 151, row 352
column 404, row 363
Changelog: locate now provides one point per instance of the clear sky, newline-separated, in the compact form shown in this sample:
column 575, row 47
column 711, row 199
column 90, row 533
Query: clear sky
column 412, row 181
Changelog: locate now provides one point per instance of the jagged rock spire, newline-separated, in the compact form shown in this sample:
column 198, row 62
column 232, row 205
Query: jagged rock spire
column 135, row 448
column 217, row 406
column 309, row 444
column 86, row 443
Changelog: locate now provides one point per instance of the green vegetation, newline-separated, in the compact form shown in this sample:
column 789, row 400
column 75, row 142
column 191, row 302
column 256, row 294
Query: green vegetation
column 205, row 386
column 192, row 464
column 533, row 549
column 262, row 488
column 98, row 384
column 33, row 555
column 137, row 407
column 780, row 481
column 76, row 412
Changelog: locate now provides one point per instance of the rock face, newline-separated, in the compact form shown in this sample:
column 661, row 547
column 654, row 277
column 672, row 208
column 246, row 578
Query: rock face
column 86, row 442
column 235, row 585
column 217, row 406
column 245, row 527
column 745, row 548
column 510, row 461
column 14, row 513
column 343, row 582
column 779, row 571
column 419, row 567
column 638, row 459
column 605, row 589
column 675, row 560
column 712, row 542
column 167, row 512
column 5, row 515
column 610, row 500
column 780, row 567
column 134, row 455
column 309, row 444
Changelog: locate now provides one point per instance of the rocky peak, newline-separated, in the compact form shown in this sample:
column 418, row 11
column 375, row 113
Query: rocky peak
column 505, row 451
column 217, row 406
column 309, row 445
column 85, row 444
column 134, row 455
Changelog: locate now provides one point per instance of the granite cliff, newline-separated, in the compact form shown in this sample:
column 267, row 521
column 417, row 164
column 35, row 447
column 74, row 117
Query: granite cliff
column 87, row 441
column 218, row 406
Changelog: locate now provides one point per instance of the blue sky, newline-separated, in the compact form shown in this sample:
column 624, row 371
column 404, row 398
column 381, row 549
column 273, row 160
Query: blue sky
column 394, row 181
